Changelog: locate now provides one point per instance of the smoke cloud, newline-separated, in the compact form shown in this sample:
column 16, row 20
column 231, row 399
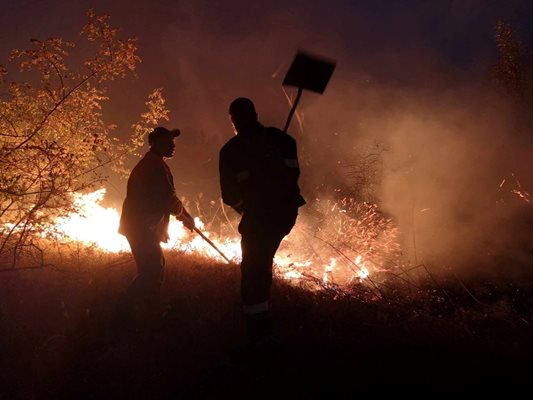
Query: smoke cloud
column 411, row 78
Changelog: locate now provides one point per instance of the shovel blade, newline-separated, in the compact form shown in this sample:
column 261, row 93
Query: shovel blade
column 309, row 72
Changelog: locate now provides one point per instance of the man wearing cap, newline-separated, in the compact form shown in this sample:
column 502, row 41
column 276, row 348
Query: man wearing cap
column 259, row 179
column 150, row 200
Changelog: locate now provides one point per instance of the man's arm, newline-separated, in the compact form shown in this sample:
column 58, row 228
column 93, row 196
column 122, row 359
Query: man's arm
column 173, row 204
column 229, row 184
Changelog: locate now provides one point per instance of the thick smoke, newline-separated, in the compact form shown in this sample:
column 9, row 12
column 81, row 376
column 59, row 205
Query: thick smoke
column 454, row 169
column 412, row 79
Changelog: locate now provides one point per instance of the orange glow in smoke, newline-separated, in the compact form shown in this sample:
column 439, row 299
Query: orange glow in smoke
column 97, row 226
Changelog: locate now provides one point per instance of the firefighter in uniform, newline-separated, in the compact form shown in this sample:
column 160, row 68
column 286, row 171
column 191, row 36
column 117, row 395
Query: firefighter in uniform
column 259, row 179
column 150, row 200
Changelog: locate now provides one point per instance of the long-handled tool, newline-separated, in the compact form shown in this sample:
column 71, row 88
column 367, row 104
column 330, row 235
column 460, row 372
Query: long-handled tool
column 198, row 231
column 307, row 72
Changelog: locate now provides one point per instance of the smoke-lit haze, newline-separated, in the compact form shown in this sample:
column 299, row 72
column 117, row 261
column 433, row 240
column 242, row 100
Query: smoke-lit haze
column 413, row 76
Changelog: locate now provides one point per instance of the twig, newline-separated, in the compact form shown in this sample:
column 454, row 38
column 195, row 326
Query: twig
column 329, row 287
column 351, row 262
column 390, row 272
column 50, row 112
column 226, row 216
column 210, row 223
column 404, row 279
column 439, row 286
column 311, row 246
column 16, row 269
column 119, row 263
column 468, row 291
column 413, row 231
column 405, row 271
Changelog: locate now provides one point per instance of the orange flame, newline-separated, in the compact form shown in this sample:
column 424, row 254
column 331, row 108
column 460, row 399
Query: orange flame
column 95, row 225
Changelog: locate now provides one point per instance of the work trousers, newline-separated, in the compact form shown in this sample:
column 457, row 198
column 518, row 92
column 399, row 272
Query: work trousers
column 261, row 236
column 148, row 255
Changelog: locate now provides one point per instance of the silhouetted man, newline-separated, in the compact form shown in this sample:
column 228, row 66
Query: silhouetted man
column 259, row 178
column 150, row 200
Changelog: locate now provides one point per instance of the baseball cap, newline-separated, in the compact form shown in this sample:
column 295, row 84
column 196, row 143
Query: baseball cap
column 161, row 132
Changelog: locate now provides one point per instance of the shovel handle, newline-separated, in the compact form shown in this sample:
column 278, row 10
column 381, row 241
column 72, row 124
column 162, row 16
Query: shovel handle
column 293, row 109
column 199, row 232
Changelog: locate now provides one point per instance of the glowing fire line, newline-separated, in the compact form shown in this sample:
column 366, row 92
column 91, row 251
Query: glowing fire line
column 97, row 226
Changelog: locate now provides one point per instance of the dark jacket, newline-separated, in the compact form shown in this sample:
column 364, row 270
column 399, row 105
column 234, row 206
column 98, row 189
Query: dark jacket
column 259, row 171
column 150, row 199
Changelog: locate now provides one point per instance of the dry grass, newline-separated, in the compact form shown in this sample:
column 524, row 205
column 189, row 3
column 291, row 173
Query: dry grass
column 58, row 340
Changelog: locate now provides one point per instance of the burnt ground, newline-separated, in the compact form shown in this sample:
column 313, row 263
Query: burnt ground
column 58, row 338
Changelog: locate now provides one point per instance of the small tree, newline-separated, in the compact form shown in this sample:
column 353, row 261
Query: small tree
column 365, row 173
column 513, row 70
column 53, row 138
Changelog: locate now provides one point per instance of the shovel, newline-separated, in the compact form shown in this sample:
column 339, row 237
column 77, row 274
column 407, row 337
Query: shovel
column 308, row 72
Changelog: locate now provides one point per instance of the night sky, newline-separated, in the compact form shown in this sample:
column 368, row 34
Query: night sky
column 204, row 53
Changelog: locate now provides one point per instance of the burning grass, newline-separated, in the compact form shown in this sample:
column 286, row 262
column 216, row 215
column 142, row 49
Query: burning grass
column 350, row 316
column 334, row 242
